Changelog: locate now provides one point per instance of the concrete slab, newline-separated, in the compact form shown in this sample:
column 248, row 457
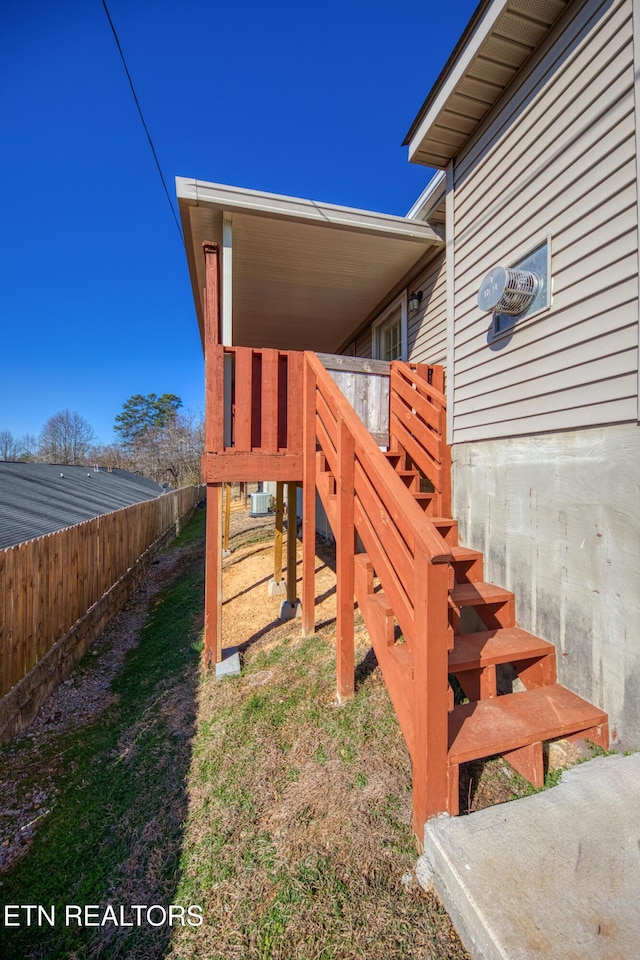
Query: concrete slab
column 229, row 665
column 555, row 875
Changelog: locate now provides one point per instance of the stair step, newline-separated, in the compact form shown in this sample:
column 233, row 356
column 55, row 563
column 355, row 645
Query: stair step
column 479, row 593
column 468, row 564
column 395, row 458
column 447, row 528
column 488, row 727
column 424, row 500
column 410, row 478
column 473, row 651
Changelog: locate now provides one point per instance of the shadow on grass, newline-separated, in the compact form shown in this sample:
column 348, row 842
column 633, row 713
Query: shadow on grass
column 114, row 833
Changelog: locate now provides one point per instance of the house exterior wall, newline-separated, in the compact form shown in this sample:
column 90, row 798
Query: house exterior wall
column 427, row 328
column 546, row 444
column 559, row 522
column 555, row 158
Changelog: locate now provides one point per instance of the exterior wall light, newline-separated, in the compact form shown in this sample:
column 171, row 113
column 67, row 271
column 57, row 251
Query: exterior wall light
column 415, row 300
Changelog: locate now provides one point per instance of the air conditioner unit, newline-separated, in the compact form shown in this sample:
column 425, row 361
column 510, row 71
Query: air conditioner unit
column 260, row 504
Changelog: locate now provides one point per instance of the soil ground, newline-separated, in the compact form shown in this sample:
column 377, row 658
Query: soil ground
column 284, row 816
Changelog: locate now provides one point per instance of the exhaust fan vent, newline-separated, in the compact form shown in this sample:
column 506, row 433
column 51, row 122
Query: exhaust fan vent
column 504, row 290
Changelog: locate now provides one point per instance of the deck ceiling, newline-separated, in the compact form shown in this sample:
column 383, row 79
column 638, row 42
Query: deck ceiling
column 500, row 37
column 305, row 275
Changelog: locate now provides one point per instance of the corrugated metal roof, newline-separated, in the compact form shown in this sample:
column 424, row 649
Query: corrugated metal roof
column 39, row 498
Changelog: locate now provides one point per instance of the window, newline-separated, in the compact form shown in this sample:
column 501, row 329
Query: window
column 390, row 332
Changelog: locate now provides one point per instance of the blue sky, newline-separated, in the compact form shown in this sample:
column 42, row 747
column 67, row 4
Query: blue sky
column 311, row 100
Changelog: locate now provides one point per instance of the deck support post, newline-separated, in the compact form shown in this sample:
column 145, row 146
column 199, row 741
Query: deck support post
column 227, row 519
column 277, row 553
column 213, row 441
column 430, row 685
column 292, row 542
column 345, row 570
column 213, row 576
column 309, row 502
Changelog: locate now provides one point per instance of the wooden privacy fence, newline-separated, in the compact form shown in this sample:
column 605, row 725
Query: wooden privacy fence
column 48, row 584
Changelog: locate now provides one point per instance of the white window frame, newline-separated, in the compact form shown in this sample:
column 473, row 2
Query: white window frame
column 378, row 325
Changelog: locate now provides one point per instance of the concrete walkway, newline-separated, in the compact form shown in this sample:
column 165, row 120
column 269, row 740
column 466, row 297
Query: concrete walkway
column 553, row 876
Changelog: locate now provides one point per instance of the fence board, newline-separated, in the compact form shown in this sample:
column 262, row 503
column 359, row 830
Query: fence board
column 48, row 584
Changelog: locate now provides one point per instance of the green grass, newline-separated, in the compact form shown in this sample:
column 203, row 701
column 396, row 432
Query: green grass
column 283, row 815
column 116, row 821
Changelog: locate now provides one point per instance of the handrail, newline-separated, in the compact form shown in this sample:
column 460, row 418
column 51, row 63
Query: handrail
column 400, row 499
column 410, row 559
column 389, row 522
column 417, row 426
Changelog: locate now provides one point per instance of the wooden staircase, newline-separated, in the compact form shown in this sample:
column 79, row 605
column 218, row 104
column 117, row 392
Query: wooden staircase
column 429, row 612
column 483, row 636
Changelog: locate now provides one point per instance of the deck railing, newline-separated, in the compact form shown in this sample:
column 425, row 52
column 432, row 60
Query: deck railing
column 409, row 559
column 254, row 409
column 417, row 426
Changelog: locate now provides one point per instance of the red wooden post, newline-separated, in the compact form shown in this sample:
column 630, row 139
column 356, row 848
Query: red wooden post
column 270, row 401
column 211, row 293
column 308, row 501
column 214, row 425
column 430, row 694
column 345, row 539
column 213, row 576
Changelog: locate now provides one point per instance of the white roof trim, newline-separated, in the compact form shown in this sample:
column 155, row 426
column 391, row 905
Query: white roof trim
column 233, row 199
column 482, row 31
column 433, row 192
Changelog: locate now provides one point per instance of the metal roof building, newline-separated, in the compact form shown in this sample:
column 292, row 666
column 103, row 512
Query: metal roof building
column 40, row 498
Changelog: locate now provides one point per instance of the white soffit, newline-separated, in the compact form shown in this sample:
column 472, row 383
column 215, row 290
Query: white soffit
column 305, row 274
column 499, row 39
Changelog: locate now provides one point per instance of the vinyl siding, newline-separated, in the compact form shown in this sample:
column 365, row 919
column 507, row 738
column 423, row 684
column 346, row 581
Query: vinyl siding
column 556, row 158
column 427, row 328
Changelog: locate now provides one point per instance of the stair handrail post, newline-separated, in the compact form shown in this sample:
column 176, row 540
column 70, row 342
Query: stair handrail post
column 345, row 543
column 431, row 686
column 309, row 387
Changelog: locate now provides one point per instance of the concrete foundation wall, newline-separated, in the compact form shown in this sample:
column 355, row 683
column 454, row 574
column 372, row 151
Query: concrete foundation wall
column 558, row 519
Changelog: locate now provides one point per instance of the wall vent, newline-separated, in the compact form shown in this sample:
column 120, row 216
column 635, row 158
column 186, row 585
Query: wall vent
column 509, row 291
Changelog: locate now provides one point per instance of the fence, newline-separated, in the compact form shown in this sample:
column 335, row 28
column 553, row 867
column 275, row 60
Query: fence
column 48, row 584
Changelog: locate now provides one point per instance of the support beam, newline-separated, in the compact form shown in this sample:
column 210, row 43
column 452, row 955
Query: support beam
column 309, row 502
column 345, row 543
column 213, row 576
column 277, row 553
column 227, row 518
column 292, row 542
column 276, row 586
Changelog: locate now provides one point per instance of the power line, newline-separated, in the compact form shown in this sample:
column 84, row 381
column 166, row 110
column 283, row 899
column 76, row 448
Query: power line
column 146, row 129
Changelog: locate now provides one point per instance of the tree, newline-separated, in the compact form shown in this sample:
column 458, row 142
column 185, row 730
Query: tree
column 142, row 414
column 17, row 448
column 158, row 441
column 66, row 438
column 9, row 447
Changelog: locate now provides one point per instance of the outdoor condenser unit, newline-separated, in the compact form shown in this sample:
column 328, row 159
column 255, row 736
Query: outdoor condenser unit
column 260, row 504
column 509, row 291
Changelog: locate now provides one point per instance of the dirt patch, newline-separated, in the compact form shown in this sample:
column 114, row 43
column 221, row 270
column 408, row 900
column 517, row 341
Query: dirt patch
column 29, row 770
